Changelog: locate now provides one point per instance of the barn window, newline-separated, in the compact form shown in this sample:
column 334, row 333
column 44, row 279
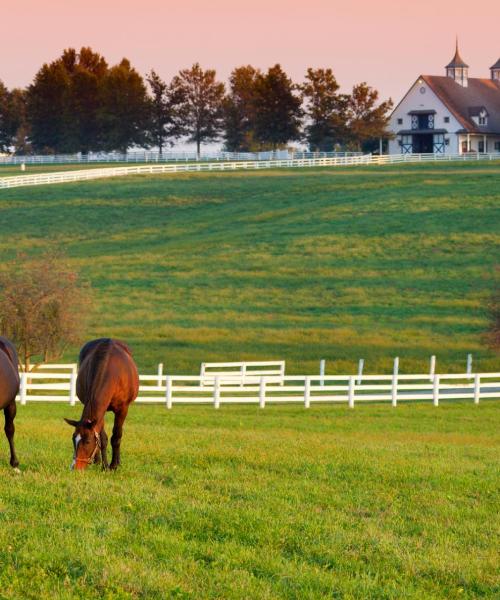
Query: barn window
column 447, row 119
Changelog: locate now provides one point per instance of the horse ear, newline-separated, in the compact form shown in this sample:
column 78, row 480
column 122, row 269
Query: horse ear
column 72, row 422
column 88, row 424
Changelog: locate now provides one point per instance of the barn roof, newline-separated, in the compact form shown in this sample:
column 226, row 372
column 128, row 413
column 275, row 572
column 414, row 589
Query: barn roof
column 460, row 100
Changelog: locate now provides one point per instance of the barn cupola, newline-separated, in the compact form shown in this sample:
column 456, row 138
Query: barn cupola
column 457, row 69
column 495, row 71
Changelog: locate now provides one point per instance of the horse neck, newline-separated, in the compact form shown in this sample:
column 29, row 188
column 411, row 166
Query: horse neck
column 96, row 407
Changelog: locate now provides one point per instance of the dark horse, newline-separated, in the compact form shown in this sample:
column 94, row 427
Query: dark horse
column 9, row 387
column 107, row 381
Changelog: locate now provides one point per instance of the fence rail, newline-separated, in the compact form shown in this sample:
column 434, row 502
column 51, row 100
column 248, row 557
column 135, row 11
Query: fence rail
column 262, row 390
column 168, row 156
column 154, row 169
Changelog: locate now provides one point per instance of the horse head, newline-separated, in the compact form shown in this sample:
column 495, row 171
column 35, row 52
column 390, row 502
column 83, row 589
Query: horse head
column 86, row 442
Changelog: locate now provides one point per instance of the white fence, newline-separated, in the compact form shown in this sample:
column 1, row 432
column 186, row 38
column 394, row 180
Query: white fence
column 262, row 390
column 225, row 370
column 147, row 156
column 154, row 169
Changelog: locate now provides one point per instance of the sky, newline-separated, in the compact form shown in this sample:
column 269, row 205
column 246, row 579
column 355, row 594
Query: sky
column 387, row 43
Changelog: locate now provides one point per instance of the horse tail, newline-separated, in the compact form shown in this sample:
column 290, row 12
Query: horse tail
column 93, row 368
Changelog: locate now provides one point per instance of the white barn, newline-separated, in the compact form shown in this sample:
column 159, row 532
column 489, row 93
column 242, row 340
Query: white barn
column 451, row 114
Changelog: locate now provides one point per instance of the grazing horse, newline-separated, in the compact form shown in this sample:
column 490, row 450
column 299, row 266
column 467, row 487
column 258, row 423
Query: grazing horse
column 9, row 387
column 107, row 381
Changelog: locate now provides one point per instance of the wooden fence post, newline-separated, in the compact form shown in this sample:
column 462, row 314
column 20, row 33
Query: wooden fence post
column 469, row 364
column 23, row 390
column 262, row 393
column 477, row 388
column 72, row 388
column 322, row 372
column 435, row 391
column 202, row 374
column 432, row 370
column 217, row 392
column 168, row 391
column 361, row 364
column 160, row 373
column 395, row 382
column 243, row 372
column 352, row 383
column 307, row 392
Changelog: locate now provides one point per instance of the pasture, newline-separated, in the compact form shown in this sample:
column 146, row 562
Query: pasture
column 299, row 265
column 241, row 503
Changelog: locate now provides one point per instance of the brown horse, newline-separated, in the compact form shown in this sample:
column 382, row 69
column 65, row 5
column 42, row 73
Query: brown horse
column 9, row 387
column 107, row 381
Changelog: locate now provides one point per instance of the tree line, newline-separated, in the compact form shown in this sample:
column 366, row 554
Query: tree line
column 79, row 103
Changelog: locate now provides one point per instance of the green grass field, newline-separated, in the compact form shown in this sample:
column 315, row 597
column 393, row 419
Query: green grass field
column 372, row 503
column 303, row 264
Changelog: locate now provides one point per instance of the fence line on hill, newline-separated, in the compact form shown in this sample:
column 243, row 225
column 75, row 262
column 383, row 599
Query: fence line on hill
column 167, row 156
column 154, row 169
column 271, row 389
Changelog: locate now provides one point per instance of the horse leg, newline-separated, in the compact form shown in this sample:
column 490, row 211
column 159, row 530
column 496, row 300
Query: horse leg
column 104, row 449
column 10, row 414
column 117, row 437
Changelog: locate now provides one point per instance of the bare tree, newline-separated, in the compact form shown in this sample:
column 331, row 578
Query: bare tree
column 44, row 306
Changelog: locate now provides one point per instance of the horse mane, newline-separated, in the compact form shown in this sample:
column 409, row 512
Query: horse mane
column 93, row 360
column 8, row 348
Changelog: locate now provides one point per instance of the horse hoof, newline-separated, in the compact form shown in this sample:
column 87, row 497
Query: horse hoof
column 16, row 470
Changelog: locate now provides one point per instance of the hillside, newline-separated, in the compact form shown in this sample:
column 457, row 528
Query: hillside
column 305, row 264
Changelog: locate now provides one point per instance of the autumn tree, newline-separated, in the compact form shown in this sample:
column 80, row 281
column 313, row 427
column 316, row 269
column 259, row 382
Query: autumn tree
column 200, row 106
column 325, row 110
column 44, row 306
column 240, row 108
column 279, row 112
column 367, row 119
column 164, row 123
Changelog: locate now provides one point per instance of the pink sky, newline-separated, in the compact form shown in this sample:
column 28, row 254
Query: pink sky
column 386, row 43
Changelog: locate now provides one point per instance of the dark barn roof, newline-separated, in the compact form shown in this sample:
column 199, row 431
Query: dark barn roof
column 496, row 65
column 460, row 100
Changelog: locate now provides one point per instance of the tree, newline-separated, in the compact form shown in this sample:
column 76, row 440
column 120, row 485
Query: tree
column 200, row 105
column 13, row 125
column 367, row 120
column 325, row 110
column 240, row 110
column 5, row 133
column 44, row 306
column 48, row 103
column 18, row 122
column 124, row 110
column 279, row 112
column 164, row 123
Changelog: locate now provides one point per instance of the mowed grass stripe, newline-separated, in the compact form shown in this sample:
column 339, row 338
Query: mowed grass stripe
column 297, row 264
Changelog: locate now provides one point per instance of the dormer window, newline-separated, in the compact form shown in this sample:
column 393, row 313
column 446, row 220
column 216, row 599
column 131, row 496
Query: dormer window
column 479, row 115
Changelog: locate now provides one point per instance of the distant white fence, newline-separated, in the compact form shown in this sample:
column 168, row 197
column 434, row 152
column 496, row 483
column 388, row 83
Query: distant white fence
column 155, row 169
column 167, row 156
column 271, row 389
